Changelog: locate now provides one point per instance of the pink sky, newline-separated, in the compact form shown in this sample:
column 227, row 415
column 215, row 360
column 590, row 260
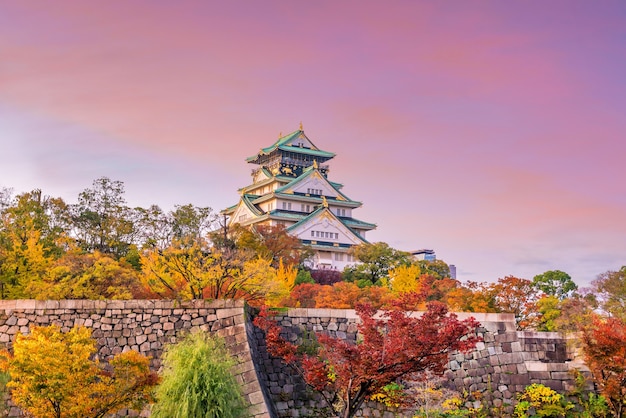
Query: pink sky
column 491, row 132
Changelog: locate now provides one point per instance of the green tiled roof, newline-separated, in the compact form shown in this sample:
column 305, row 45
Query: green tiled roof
column 308, row 172
column 355, row 223
column 283, row 144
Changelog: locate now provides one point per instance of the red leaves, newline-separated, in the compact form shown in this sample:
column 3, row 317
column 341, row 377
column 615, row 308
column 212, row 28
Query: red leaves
column 394, row 345
column 605, row 355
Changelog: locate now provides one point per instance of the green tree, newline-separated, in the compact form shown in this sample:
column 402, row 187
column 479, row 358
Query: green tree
column 555, row 283
column 375, row 262
column 101, row 219
column 197, row 381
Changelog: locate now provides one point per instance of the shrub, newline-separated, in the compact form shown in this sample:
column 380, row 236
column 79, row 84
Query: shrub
column 197, row 381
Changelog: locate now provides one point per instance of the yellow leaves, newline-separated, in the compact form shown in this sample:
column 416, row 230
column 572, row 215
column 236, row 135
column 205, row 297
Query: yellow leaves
column 404, row 279
column 48, row 369
column 53, row 375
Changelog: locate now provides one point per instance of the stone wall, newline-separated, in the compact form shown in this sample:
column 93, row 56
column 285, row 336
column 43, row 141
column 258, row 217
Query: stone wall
column 503, row 364
column 500, row 366
column 142, row 325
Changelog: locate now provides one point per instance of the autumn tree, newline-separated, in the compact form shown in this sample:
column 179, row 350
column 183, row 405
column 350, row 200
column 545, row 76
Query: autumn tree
column 53, row 375
column 375, row 261
column 604, row 346
column 31, row 237
column 272, row 243
column 394, row 346
column 472, row 297
column 517, row 296
column 610, row 288
column 196, row 272
column 78, row 275
column 555, row 283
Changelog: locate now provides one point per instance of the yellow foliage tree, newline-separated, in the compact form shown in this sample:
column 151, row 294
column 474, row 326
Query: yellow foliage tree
column 192, row 272
column 404, row 279
column 53, row 376
column 85, row 276
column 283, row 283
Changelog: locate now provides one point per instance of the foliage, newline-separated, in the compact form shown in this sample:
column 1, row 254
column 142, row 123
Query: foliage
column 86, row 276
column 329, row 277
column 436, row 268
column 604, row 346
column 52, row 375
column 394, row 345
column 303, row 296
column 271, row 243
column 304, row 276
column 555, row 283
column 197, row 381
column 588, row 404
column 392, row 395
column 538, row 400
column 517, row 296
column 404, row 279
column 375, row 261
column 101, row 218
column 611, row 290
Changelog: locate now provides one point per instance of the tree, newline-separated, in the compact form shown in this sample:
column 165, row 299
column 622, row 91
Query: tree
column 436, row 268
column 404, row 279
column 197, row 381
column 29, row 240
column 610, row 288
column 517, row 296
column 52, row 375
column 192, row 272
column 272, row 243
column 604, row 346
column 101, row 219
column 394, row 346
column 78, row 275
column 555, row 283
column 375, row 261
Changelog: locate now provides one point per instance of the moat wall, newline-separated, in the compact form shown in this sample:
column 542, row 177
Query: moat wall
column 503, row 364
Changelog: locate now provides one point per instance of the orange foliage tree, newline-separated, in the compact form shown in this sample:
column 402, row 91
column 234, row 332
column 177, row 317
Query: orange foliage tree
column 604, row 346
column 52, row 375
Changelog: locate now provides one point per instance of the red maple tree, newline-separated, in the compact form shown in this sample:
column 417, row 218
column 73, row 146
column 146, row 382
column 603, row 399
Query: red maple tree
column 393, row 345
column 604, row 346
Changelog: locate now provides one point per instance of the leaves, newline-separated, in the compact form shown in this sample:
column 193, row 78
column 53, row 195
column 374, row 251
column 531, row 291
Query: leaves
column 392, row 346
column 52, row 375
column 604, row 346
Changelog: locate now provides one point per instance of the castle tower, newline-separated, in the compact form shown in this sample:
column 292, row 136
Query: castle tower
column 291, row 188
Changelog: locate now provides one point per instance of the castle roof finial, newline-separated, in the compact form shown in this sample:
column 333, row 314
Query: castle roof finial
column 315, row 164
column 301, row 128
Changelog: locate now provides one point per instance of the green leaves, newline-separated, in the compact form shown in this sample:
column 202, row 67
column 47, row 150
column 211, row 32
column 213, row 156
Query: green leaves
column 197, row 381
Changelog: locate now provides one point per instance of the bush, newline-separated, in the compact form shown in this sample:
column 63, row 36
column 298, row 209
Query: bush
column 197, row 381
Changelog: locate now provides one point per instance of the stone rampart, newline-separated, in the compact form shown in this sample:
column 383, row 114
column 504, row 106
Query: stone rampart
column 503, row 364
column 142, row 325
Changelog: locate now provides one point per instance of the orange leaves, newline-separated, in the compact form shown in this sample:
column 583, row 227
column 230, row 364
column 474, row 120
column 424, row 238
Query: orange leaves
column 53, row 376
column 604, row 345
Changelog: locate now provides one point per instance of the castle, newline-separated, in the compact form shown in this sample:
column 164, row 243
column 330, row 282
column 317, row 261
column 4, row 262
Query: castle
column 291, row 188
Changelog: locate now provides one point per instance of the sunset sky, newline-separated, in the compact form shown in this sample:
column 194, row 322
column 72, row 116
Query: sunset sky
column 491, row 132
